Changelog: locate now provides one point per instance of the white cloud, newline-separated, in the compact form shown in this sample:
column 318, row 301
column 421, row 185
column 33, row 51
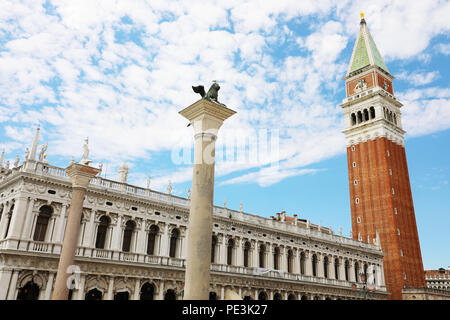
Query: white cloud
column 419, row 78
column 69, row 71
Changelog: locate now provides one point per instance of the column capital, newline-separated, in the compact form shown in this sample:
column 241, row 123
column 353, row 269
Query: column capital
column 81, row 175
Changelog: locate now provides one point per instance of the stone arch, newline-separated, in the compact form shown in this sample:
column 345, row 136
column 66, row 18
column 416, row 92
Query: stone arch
column 121, row 285
column 292, row 296
column 262, row 295
column 372, row 113
column 174, row 242
column 96, row 282
column 152, row 238
column 366, row 115
column 103, row 226
column 353, row 119
column 28, row 276
column 147, row 291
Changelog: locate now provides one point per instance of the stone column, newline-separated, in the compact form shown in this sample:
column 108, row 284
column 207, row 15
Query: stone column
column 255, row 255
column 206, row 118
column 17, row 222
column 239, row 250
column 110, row 292
column 351, row 271
column 223, row 250
column 161, row 290
column 90, row 229
column 140, row 244
column 80, row 292
column 5, row 279
column 49, row 287
column 137, row 289
column 80, row 175
column 296, row 261
column 341, row 268
column 3, row 219
column 61, row 223
column 165, row 239
column 13, row 285
column 28, row 221
column 308, row 264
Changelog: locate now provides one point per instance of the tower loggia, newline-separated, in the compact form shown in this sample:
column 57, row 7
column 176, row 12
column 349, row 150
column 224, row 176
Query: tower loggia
column 380, row 191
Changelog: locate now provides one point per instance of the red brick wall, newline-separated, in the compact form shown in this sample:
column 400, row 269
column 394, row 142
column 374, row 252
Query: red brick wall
column 380, row 83
column 376, row 210
column 351, row 84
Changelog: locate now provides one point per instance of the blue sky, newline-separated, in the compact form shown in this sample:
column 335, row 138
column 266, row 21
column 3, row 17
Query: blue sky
column 119, row 72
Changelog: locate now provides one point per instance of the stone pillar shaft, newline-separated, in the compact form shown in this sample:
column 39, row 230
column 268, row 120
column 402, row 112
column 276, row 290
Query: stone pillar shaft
column 80, row 175
column 207, row 117
column 67, row 257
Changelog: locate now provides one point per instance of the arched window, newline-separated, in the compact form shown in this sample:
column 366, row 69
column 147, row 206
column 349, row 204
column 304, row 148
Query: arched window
column 366, row 115
column 325, row 267
column 123, row 295
column 262, row 253
column 395, row 118
column 262, row 296
column 336, row 268
column 213, row 248
column 372, row 113
column 93, row 294
column 277, row 296
column 314, row 265
column 292, row 297
column 230, row 252
column 147, row 291
column 173, row 242
column 346, row 268
column 353, row 119
column 151, row 241
column 289, row 260
column 302, row 263
column 128, row 235
column 102, row 230
column 276, row 258
column 30, row 291
column 360, row 117
column 356, row 271
column 212, row 296
column 45, row 212
column 170, row 295
column 246, row 253
column 304, row 297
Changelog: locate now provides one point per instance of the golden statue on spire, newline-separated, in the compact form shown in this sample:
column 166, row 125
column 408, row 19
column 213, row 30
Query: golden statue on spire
column 361, row 14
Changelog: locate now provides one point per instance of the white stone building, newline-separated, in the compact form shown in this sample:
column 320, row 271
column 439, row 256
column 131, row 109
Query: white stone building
column 132, row 245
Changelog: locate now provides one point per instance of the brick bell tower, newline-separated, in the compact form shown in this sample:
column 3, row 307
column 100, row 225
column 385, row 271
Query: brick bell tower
column 380, row 191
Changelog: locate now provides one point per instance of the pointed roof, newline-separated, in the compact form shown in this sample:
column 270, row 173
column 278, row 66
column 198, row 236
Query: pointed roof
column 365, row 52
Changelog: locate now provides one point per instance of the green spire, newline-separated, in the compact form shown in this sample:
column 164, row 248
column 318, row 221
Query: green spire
column 365, row 51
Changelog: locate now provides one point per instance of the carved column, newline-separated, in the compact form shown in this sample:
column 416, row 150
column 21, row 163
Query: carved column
column 308, row 264
column 206, row 117
column 27, row 230
column 80, row 292
column 351, row 271
column 223, row 250
column 141, row 236
column 5, row 279
column 13, row 285
column 80, row 175
column 17, row 222
column 161, row 290
column 320, row 266
column 90, row 229
column 165, row 239
column 49, row 287
column 296, row 261
column 110, row 292
column 61, row 223
column 341, row 268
